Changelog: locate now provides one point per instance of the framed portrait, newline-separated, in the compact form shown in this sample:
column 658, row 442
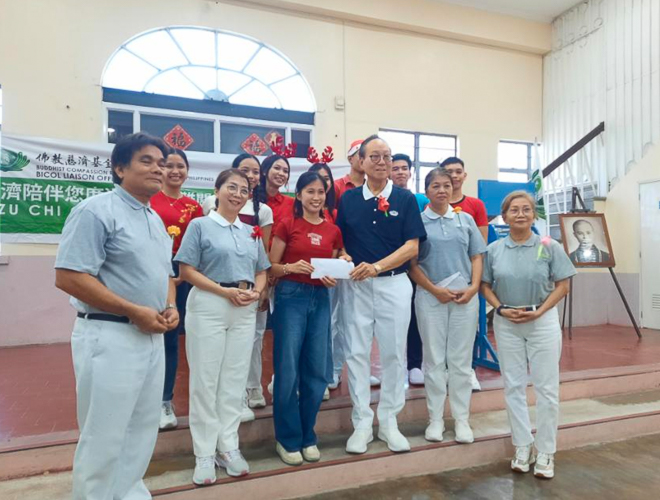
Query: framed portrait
column 586, row 239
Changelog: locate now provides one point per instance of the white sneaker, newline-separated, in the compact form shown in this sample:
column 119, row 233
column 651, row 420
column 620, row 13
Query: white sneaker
column 289, row 457
column 270, row 385
column 247, row 415
column 435, row 430
column 326, row 394
column 204, row 471
column 167, row 417
column 311, row 454
column 336, row 380
column 255, row 397
column 463, row 432
column 233, row 462
column 416, row 376
column 545, row 466
column 359, row 440
column 476, row 386
column 374, row 381
column 523, row 458
column 396, row 441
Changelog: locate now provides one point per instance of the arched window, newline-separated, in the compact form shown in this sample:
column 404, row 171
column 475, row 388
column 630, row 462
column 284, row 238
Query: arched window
column 201, row 63
column 207, row 90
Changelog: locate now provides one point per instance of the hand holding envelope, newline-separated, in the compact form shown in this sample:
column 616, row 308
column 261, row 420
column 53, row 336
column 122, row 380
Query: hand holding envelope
column 331, row 268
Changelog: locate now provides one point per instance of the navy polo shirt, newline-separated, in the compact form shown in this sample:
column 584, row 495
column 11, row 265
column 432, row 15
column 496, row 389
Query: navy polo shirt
column 370, row 235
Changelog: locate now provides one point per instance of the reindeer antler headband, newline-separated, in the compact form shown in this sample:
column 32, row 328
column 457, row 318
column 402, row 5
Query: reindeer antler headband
column 326, row 157
column 280, row 149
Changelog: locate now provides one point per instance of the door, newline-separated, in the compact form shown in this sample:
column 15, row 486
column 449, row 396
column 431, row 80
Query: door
column 649, row 196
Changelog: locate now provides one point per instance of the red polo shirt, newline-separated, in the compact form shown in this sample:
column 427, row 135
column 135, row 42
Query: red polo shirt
column 176, row 212
column 305, row 241
column 282, row 207
column 341, row 186
column 475, row 207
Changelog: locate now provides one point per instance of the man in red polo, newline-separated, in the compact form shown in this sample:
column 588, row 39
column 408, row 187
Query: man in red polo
column 355, row 178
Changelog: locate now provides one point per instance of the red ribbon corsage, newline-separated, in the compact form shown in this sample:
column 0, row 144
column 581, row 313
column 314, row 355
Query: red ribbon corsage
column 383, row 205
column 256, row 232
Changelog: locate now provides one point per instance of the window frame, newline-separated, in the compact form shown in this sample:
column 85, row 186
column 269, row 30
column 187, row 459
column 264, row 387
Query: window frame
column 417, row 164
column 530, row 160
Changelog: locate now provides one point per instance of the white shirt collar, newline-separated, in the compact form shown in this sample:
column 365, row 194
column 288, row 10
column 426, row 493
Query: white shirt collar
column 385, row 193
column 449, row 214
column 215, row 216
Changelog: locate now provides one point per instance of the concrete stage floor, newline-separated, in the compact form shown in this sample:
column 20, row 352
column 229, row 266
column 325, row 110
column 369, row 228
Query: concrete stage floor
column 37, row 387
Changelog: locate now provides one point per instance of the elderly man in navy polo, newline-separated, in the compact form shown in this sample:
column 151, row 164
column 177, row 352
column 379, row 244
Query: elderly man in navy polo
column 382, row 227
column 114, row 261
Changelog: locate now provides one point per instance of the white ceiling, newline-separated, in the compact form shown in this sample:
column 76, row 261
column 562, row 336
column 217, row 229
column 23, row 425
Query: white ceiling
column 536, row 10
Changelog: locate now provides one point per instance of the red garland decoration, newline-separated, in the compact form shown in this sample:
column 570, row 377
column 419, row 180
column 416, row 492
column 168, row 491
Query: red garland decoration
column 256, row 232
column 280, row 149
column 383, row 205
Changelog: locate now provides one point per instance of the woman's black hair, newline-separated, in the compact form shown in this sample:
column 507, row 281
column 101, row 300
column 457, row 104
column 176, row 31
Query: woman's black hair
column 265, row 168
column 179, row 152
column 330, row 196
column 436, row 172
column 224, row 177
column 303, row 181
column 255, row 198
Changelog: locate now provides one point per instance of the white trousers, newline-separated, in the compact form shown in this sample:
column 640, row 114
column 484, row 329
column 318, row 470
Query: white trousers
column 120, row 373
column 338, row 329
column 219, row 339
column 539, row 344
column 380, row 307
column 447, row 332
column 254, row 375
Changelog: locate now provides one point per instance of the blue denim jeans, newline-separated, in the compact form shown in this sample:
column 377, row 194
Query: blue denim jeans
column 302, row 358
column 171, row 338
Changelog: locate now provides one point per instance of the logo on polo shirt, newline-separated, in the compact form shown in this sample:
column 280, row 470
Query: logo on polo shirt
column 394, row 213
column 315, row 239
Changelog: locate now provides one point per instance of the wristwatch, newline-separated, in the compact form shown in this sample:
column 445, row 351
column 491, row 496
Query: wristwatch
column 170, row 306
column 498, row 311
column 378, row 268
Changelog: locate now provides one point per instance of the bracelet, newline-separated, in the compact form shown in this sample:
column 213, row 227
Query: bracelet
column 378, row 268
column 498, row 310
column 286, row 271
column 170, row 306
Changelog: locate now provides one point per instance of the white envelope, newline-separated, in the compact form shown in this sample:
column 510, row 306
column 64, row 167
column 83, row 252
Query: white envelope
column 454, row 282
column 333, row 268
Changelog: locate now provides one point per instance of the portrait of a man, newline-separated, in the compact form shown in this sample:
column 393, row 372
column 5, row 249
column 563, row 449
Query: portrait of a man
column 586, row 239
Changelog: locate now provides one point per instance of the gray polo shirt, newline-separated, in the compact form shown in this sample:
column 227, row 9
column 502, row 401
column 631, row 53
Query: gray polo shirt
column 223, row 252
column 518, row 276
column 121, row 242
column 452, row 240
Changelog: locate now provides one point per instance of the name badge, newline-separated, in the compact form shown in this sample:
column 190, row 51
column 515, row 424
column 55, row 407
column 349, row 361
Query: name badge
column 394, row 213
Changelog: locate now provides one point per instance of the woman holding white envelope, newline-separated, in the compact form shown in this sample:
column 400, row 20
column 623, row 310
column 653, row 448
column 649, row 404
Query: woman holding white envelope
column 448, row 274
column 301, row 320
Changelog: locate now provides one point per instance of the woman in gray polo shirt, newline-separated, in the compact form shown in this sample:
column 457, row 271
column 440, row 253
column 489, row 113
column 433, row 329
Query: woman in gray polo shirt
column 524, row 278
column 225, row 261
column 448, row 273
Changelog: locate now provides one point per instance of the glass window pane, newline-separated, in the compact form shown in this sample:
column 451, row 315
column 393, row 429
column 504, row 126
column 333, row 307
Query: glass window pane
column 303, row 142
column 204, row 78
column 198, row 45
column 128, row 72
column 512, row 155
column 256, row 94
column 120, row 123
column 437, row 142
column 234, row 52
column 173, row 83
column 237, row 139
column 399, row 142
column 159, row 49
column 269, row 67
column 511, row 177
column 294, row 94
column 200, row 131
column 230, row 81
column 423, row 172
column 435, row 155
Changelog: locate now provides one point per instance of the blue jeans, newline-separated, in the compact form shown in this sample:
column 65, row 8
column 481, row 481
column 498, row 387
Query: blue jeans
column 171, row 338
column 302, row 358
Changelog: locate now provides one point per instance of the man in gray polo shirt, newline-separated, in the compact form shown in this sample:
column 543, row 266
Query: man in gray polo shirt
column 114, row 261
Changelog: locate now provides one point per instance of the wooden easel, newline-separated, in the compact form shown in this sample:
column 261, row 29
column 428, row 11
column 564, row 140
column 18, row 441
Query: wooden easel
column 575, row 198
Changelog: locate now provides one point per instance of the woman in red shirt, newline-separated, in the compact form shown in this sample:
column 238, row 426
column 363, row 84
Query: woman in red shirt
column 176, row 210
column 275, row 173
column 324, row 171
column 301, row 320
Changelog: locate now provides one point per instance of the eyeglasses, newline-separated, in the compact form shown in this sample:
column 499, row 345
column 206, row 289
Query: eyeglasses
column 525, row 211
column 234, row 189
column 375, row 158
